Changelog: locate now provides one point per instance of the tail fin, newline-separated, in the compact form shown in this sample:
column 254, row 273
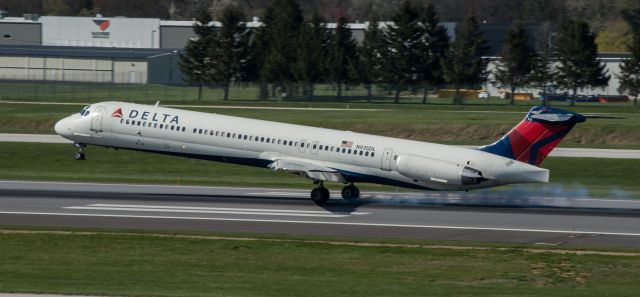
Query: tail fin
column 533, row 139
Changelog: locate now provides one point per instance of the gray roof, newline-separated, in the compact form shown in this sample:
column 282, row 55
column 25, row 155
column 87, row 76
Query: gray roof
column 87, row 52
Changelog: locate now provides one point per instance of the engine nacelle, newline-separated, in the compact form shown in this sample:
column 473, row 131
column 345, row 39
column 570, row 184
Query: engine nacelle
column 432, row 170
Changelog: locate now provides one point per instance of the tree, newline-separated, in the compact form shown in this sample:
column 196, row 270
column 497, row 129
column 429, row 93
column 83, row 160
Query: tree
column 343, row 54
column 577, row 52
column 195, row 62
column 630, row 69
column 543, row 72
column 466, row 64
column 313, row 53
column 516, row 61
column 282, row 22
column 404, row 40
column 371, row 56
column 232, row 51
column 435, row 43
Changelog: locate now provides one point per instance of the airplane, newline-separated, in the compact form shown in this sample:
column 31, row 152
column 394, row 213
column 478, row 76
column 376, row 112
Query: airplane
column 324, row 155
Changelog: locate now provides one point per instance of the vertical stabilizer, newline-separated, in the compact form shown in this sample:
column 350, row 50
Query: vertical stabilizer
column 535, row 137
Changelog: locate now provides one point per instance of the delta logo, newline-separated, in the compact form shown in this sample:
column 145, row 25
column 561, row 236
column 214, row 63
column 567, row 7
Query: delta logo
column 148, row 116
column 102, row 24
column 117, row 113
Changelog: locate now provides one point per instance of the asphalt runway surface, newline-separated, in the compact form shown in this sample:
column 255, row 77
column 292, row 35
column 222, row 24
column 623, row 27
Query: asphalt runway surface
column 558, row 152
column 535, row 220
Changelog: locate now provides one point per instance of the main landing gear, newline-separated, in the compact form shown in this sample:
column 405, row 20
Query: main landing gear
column 320, row 195
column 79, row 155
column 350, row 192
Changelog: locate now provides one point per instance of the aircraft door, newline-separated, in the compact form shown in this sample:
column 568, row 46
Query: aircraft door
column 387, row 156
column 96, row 120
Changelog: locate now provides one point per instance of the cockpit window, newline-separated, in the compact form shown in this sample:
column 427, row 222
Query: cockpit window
column 85, row 111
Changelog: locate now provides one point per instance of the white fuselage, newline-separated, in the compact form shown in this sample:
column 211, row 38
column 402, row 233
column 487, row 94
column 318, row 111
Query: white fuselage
column 358, row 157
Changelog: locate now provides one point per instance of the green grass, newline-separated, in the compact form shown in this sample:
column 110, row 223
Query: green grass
column 569, row 176
column 121, row 264
column 450, row 125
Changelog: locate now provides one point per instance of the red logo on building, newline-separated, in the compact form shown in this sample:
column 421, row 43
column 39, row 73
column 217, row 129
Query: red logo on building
column 102, row 24
column 117, row 113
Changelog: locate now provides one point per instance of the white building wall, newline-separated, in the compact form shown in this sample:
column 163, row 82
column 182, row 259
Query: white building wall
column 612, row 65
column 73, row 69
column 100, row 32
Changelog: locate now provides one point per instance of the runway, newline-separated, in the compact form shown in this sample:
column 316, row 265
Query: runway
column 545, row 220
column 558, row 152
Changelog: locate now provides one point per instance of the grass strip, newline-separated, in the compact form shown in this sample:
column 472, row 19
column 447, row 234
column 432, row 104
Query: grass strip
column 129, row 264
column 570, row 177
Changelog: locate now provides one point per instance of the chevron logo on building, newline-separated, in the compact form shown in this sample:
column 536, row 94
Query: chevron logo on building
column 102, row 24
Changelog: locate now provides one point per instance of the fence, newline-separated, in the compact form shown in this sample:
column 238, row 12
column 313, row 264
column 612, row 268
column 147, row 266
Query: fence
column 30, row 90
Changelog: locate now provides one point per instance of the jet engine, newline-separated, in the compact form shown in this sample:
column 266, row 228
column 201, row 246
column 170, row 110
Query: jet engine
column 432, row 170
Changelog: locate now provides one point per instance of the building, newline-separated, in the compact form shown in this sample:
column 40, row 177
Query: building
column 89, row 64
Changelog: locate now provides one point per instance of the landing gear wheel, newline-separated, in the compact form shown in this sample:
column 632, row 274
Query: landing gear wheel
column 320, row 195
column 79, row 155
column 350, row 192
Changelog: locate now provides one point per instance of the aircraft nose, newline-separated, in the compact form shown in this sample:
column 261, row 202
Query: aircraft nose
column 63, row 128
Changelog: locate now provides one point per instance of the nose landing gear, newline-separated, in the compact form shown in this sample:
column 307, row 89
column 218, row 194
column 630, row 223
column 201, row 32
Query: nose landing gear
column 79, row 155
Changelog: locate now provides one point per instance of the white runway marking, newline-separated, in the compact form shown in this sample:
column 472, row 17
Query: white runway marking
column 215, row 210
column 584, row 232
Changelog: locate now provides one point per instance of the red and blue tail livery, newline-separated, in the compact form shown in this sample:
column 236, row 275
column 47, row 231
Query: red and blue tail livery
column 536, row 136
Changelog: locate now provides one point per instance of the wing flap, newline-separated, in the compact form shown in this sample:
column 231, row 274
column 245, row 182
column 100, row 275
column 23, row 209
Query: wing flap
column 308, row 170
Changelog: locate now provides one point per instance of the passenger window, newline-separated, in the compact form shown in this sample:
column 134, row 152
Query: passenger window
column 121, row 120
column 321, row 147
column 360, row 153
column 211, row 133
column 195, row 130
column 127, row 122
column 349, row 151
column 372, row 154
column 184, row 129
column 234, row 135
column 172, row 127
column 268, row 139
column 314, row 146
column 261, row 139
column 366, row 154
column 245, row 137
column 161, row 125
column 344, row 150
column 326, row 148
column 228, row 134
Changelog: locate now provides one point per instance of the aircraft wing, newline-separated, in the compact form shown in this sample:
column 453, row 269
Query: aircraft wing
column 308, row 170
